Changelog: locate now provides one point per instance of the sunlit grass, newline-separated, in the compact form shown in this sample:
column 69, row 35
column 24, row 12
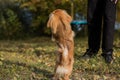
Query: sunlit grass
column 34, row 59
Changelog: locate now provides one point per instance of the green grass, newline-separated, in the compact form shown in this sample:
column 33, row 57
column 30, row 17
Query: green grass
column 34, row 59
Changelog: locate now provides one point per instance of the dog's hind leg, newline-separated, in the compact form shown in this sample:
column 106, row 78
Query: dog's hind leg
column 66, row 77
column 58, row 53
column 56, row 77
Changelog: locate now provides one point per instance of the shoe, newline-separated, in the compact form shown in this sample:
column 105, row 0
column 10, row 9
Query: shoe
column 90, row 53
column 108, row 56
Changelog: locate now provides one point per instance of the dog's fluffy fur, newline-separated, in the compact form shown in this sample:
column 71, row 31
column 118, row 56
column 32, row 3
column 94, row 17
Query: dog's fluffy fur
column 59, row 22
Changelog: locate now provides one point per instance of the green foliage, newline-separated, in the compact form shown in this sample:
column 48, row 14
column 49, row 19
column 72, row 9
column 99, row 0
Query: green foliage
column 11, row 25
column 118, row 5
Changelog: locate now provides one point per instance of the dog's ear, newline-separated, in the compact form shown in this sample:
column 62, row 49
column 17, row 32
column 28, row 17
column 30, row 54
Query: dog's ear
column 49, row 21
column 53, row 23
column 66, row 19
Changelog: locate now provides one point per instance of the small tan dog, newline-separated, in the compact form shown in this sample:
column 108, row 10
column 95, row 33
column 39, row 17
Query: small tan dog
column 59, row 23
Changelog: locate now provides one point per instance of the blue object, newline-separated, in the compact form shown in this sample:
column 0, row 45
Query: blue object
column 79, row 22
column 77, row 25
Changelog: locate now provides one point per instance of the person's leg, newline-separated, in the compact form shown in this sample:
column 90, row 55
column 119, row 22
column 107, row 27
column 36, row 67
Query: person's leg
column 108, row 30
column 94, row 19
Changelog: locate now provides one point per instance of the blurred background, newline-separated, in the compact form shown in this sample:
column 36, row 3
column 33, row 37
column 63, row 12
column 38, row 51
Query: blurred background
column 27, row 18
column 26, row 49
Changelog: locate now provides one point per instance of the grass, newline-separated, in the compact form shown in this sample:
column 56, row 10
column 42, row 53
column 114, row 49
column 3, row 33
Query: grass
column 34, row 59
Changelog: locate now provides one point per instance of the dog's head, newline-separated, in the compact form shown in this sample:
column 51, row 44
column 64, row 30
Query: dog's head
column 59, row 17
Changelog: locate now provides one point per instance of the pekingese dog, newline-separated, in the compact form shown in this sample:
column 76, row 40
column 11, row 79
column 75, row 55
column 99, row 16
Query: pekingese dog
column 59, row 23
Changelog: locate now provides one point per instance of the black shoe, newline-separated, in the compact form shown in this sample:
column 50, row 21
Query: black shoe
column 90, row 53
column 108, row 56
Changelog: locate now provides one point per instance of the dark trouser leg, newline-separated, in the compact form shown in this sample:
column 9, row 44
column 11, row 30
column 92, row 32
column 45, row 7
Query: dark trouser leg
column 94, row 18
column 108, row 28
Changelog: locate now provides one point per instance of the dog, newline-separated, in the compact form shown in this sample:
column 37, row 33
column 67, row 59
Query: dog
column 59, row 23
